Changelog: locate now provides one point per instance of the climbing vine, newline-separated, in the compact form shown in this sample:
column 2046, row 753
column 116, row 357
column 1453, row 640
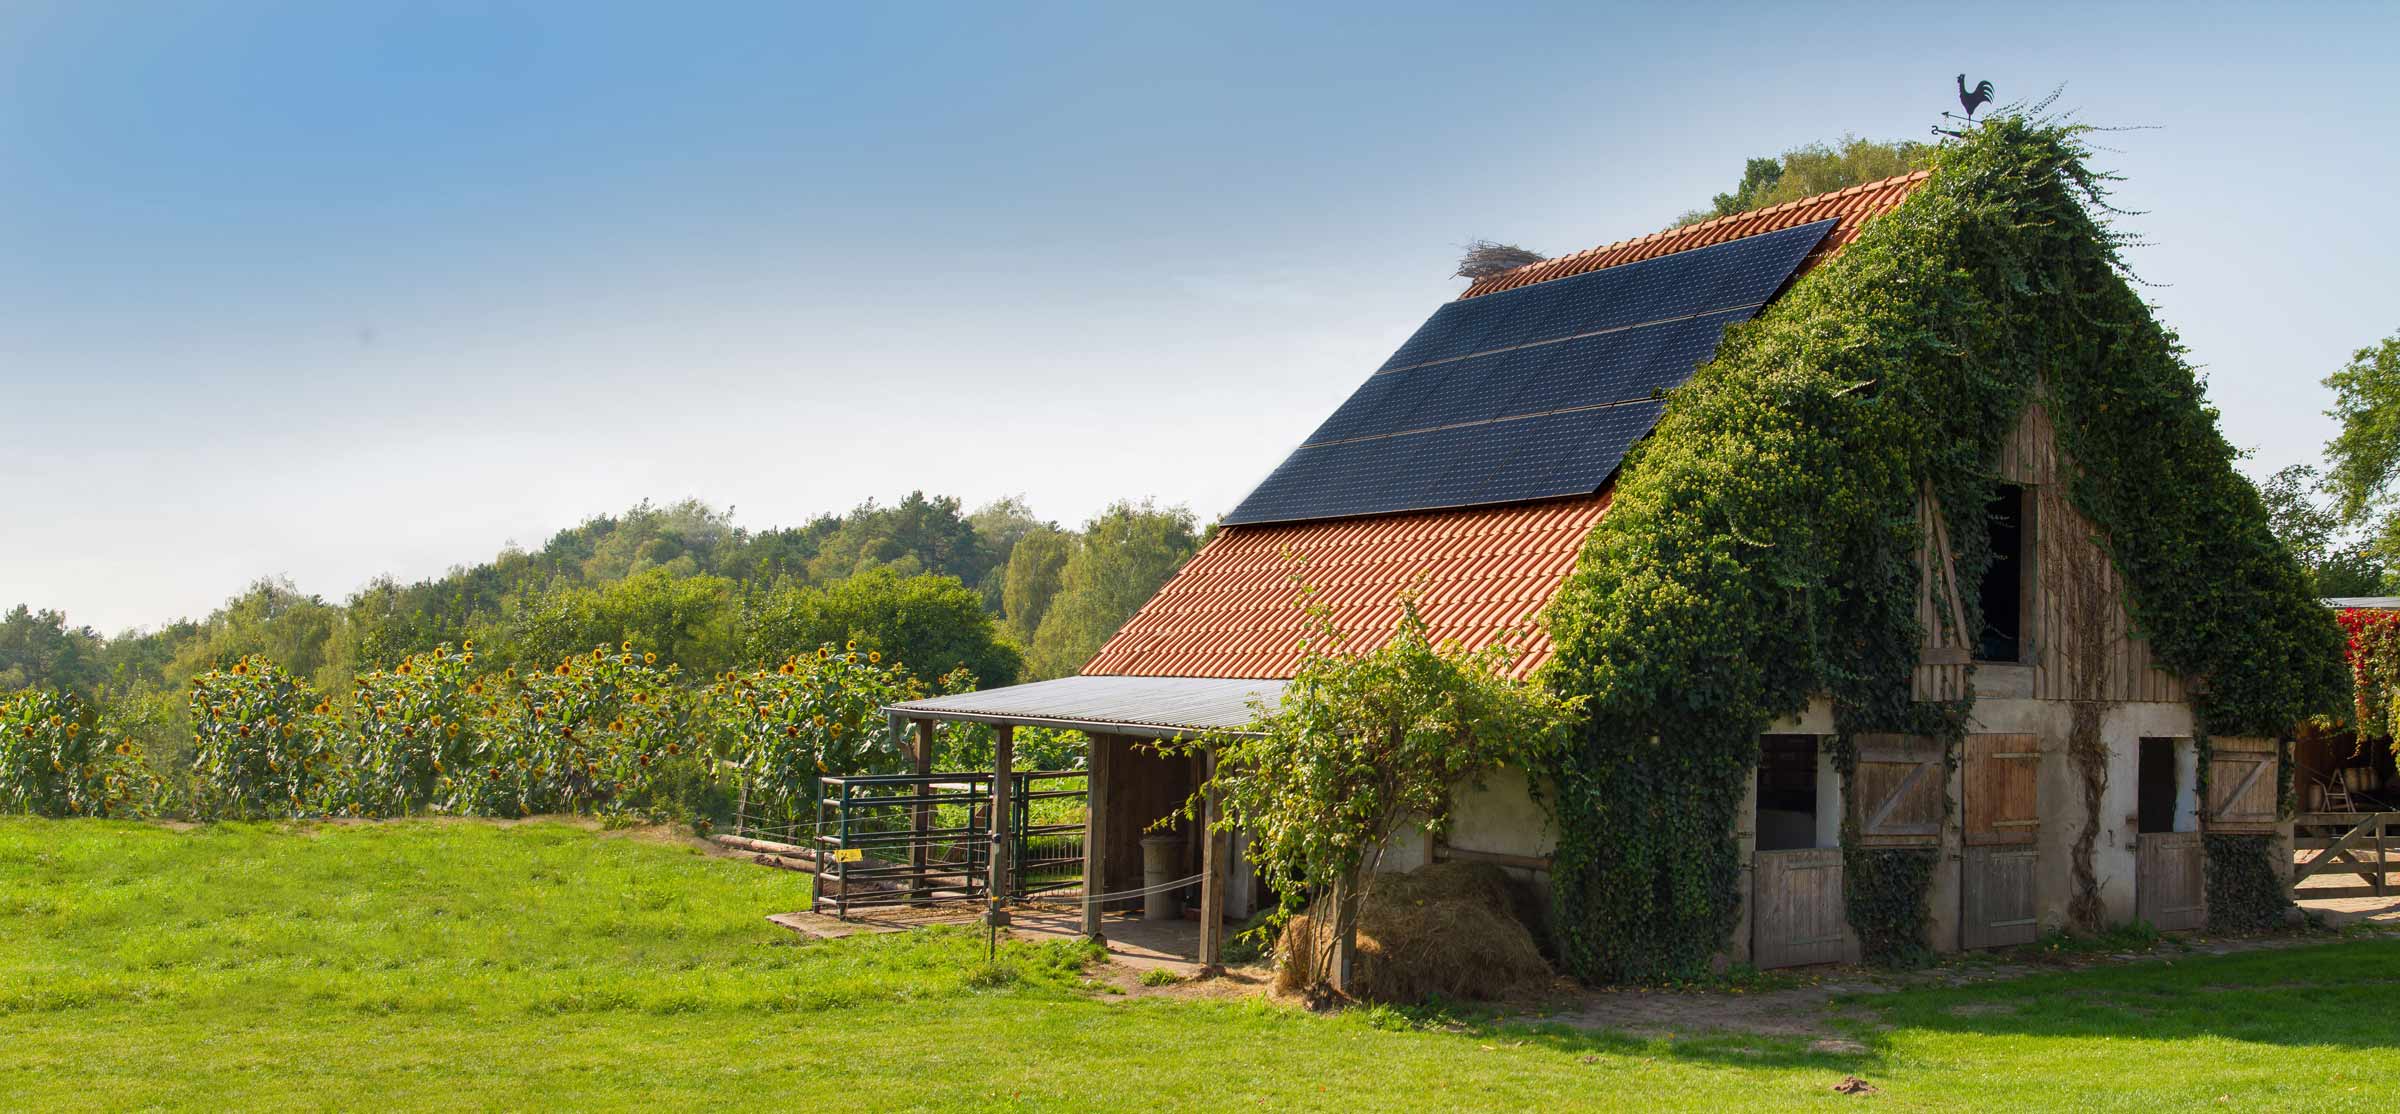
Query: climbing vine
column 2244, row 895
column 1760, row 550
column 1886, row 889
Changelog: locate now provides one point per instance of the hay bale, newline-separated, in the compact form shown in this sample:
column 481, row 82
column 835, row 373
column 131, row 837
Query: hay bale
column 1459, row 930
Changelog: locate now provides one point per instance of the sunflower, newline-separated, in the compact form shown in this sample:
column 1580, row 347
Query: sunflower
column 467, row 645
column 785, row 669
column 792, row 731
column 405, row 669
column 124, row 748
column 641, row 698
column 565, row 670
column 468, row 657
column 649, row 659
column 240, row 668
column 850, row 645
column 599, row 653
column 875, row 657
column 674, row 748
column 475, row 689
column 616, row 725
column 324, row 707
column 74, row 729
column 626, row 645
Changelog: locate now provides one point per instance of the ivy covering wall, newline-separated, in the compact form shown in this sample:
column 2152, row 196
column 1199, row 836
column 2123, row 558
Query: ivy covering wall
column 1761, row 546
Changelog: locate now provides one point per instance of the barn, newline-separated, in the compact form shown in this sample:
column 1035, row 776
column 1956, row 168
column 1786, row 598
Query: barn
column 1473, row 468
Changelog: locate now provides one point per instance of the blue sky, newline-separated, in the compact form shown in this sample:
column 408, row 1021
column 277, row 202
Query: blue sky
column 330, row 291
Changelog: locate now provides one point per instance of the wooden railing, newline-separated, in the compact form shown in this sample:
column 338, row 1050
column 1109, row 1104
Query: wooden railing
column 2342, row 842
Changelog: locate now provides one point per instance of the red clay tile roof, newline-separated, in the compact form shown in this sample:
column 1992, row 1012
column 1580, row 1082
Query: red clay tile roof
column 1853, row 206
column 1231, row 611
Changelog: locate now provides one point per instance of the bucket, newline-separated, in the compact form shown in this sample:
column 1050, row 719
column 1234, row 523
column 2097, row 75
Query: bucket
column 1162, row 862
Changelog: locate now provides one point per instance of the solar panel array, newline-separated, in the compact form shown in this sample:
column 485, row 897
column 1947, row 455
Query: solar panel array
column 1528, row 393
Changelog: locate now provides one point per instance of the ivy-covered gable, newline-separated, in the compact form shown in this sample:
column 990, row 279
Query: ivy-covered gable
column 1762, row 545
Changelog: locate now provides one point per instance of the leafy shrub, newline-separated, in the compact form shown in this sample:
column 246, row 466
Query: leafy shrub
column 56, row 761
column 263, row 743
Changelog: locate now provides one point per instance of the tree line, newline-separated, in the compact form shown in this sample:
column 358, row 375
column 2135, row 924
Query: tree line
column 994, row 595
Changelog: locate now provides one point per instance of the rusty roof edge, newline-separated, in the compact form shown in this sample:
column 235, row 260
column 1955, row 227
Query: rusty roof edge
column 1565, row 264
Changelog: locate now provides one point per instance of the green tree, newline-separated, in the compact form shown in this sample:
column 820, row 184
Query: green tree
column 1362, row 744
column 2364, row 460
column 1125, row 555
column 2338, row 565
column 689, row 619
column 1000, row 525
column 931, row 624
column 39, row 650
column 271, row 619
column 1812, row 169
column 1031, row 580
column 917, row 534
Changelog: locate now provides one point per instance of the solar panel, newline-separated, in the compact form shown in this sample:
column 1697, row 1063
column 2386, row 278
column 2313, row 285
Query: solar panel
column 1528, row 393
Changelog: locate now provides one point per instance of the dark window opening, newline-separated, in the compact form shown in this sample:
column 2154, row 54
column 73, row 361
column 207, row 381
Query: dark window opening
column 2155, row 787
column 1787, row 792
column 2002, row 594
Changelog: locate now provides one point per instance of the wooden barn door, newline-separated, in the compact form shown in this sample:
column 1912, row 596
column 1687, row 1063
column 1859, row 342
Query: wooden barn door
column 2167, row 880
column 2003, row 818
column 2241, row 785
column 1801, row 916
column 1896, row 795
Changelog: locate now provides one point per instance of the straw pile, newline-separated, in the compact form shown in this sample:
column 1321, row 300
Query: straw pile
column 1458, row 930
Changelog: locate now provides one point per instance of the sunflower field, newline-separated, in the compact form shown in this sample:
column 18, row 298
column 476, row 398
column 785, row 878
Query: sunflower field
column 55, row 761
column 613, row 732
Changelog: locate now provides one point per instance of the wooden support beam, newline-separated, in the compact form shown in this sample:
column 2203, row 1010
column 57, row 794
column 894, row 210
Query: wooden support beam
column 1095, row 834
column 1004, row 756
column 1212, row 873
column 1444, row 853
column 921, row 815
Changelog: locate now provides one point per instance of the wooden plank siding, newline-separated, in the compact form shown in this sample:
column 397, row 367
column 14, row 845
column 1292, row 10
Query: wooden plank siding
column 2030, row 457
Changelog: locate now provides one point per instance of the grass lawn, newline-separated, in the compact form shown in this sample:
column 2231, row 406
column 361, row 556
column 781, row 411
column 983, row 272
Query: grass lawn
column 466, row 965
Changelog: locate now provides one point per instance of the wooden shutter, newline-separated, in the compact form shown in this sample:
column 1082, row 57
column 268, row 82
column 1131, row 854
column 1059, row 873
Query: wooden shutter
column 2003, row 788
column 2241, row 785
column 1896, row 793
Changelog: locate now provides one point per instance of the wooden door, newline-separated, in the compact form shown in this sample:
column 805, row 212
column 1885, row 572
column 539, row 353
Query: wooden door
column 1801, row 917
column 1896, row 792
column 2003, row 823
column 2241, row 785
column 2167, row 881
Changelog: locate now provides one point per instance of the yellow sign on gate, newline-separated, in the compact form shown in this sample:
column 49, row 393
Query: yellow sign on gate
column 850, row 855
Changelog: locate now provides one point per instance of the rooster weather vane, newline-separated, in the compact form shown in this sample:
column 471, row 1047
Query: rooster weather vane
column 1970, row 100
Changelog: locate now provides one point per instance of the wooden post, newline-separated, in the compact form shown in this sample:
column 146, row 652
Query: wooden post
column 1004, row 756
column 921, row 816
column 1095, row 834
column 1212, row 874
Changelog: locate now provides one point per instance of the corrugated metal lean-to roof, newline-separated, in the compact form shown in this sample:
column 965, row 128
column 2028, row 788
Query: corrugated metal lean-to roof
column 1157, row 707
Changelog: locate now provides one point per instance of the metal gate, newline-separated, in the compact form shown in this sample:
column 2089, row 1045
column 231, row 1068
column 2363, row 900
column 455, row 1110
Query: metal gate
column 925, row 839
